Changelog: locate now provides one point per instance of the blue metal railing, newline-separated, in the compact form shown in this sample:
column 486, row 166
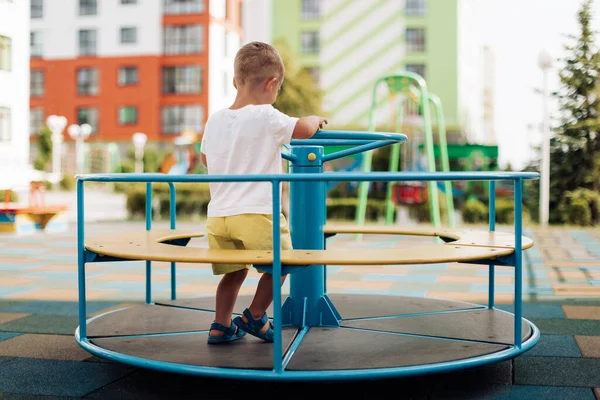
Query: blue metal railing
column 516, row 177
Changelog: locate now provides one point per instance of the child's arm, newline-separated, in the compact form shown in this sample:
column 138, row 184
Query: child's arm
column 306, row 127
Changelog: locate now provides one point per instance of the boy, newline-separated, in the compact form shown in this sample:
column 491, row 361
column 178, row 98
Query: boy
column 246, row 138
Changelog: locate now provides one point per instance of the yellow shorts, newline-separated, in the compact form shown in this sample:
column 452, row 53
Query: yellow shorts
column 244, row 232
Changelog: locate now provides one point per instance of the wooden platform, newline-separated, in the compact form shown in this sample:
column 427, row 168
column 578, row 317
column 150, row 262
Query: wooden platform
column 421, row 331
column 465, row 246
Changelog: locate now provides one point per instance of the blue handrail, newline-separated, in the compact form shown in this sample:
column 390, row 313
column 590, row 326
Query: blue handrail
column 332, row 176
column 322, row 136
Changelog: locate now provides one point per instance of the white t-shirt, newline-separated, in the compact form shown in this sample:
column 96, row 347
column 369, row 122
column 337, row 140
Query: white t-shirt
column 242, row 142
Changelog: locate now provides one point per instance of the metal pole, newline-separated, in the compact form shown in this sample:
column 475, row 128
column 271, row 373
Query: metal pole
column 148, row 227
column 56, row 151
column 518, row 262
column 492, row 220
column 81, row 261
column 277, row 342
column 173, row 220
column 306, row 225
column 545, row 175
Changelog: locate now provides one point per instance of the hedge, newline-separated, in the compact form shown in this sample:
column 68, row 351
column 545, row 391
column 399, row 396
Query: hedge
column 192, row 199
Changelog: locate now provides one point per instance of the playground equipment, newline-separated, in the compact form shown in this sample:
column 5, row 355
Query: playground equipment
column 35, row 216
column 318, row 336
column 184, row 157
column 414, row 88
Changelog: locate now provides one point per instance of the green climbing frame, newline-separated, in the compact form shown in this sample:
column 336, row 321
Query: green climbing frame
column 415, row 89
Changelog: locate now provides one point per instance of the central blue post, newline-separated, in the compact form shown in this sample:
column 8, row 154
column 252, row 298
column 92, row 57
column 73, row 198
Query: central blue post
column 308, row 304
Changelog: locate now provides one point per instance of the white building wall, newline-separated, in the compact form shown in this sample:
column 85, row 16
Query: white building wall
column 14, row 84
column 257, row 21
column 354, row 56
column 223, row 46
column 60, row 26
column 470, row 70
column 489, row 135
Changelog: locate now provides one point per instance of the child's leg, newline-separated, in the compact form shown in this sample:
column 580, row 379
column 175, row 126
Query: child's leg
column 227, row 293
column 257, row 234
column 262, row 298
column 233, row 275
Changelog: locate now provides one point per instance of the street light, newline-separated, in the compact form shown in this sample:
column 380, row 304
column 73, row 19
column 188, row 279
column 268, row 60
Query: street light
column 56, row 124
column 79, row 133
column 139, row 141
column 545, row 63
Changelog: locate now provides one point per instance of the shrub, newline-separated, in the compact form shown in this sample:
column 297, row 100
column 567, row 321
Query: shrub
column 345, row 209
column 13, row 196
column 192, row 199
column 580, row 207
column 67, row 183
column 475, row 211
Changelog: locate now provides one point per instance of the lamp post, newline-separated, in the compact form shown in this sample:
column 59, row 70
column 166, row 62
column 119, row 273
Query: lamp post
column 56, row 124
column 139, row 141
column 79, row 133
column 545, row 63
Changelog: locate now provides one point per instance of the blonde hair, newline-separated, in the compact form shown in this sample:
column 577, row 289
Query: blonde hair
column 257, row 61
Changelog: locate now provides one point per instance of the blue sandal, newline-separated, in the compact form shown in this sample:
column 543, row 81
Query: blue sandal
column 254, row 326
column 230, row 333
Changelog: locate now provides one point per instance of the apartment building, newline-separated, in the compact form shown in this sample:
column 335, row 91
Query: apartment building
column 123, row 66
column 14, row 90
column 347, row 45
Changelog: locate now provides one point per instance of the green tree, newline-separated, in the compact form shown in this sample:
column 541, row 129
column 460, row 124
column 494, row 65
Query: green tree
column 575, row 148
column 299, row 95
column 44, row 145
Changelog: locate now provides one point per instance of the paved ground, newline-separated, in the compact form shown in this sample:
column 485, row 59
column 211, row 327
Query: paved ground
column 38, row 314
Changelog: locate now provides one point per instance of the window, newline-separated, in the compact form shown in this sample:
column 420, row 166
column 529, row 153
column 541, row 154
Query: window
column 87, row 81
column 88, row 115
column 415, row 40
column 311, row 9
column 310, row 42
column 226, row 83
column 183, row 6
column 87, row 42
column 88, row 7
column 128, row 115
column 37, row 8
column 128, row 35
column 5, row 53
column 5, row 135
column 128, row 1
column 176, row 119
column 182, row 79
column 416, row 68
column 128, row 76
column 415, row 7
column 37, row 44
column 36, row 83
column 36, row 120
column 184, row 39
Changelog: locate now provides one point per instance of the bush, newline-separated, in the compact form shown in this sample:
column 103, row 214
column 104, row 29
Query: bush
column 475, row 211
column 126, row 167
column 13, row 196
column 192, row 199
column 345, row 209
column 580, row 207
column 67, row 183
column 421, row 212
column 505, row 211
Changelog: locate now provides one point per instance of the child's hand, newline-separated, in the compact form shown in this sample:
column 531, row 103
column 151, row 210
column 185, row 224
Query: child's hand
column 322, row 122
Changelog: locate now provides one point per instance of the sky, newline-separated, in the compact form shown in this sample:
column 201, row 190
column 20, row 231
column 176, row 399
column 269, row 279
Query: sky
column 518, row 30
